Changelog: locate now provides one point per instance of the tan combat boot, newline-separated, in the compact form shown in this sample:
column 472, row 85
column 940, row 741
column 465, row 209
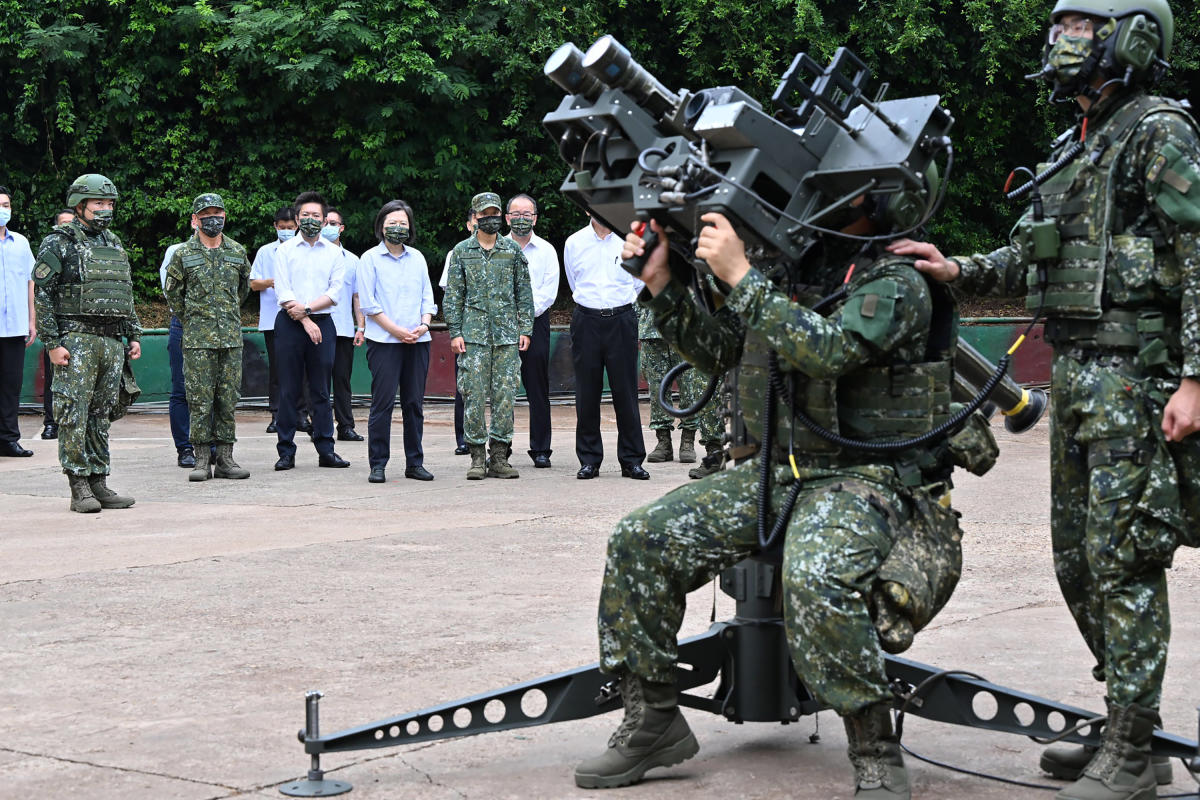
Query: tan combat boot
column 202, row 471
column 107, row 497
column 712, row 463
column 226, row 467
column 687, row 446
column 663, row 451
column 1122, row 768
column 653, row 734
column 497, row 465
column 478, row 468
column 1067, row 762
column 82, row 499
column 874, row 751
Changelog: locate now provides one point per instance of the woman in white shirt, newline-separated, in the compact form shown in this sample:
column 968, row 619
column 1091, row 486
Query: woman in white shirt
column 396, row 296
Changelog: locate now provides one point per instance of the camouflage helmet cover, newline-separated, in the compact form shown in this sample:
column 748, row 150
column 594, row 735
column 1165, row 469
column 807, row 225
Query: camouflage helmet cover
column 1160, row 10
column 92, row 186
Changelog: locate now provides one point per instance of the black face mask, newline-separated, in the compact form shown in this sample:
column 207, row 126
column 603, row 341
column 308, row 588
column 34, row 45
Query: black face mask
column 490, row 224
column 212, row 226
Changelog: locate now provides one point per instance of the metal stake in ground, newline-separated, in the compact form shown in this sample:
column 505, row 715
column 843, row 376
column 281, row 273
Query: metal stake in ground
column 315, row 785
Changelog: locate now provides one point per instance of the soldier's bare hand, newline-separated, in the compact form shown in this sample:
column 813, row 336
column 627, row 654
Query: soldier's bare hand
column 522, row 343
column 723, row 250
column 929, row 259
column 458, row 345
column 59, row 356
column 135, row 350
column 656, row 274
column 1181, row 417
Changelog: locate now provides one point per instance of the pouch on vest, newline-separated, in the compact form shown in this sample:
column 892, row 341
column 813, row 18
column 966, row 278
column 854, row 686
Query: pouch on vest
column 974, row 447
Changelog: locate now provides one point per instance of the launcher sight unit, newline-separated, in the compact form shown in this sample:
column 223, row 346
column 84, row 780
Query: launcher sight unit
column 638, row 150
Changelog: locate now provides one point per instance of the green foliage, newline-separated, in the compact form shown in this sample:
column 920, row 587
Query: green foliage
column 435, row 100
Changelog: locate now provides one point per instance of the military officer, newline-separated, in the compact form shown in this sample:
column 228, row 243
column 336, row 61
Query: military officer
column 1118, row 281
column 84, row 298
column 207, row 281
column 489, row 314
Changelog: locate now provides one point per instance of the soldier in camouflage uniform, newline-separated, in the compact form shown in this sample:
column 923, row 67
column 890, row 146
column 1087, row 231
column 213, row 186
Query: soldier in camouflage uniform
column 84, row 298
column 1119, row 284
column 852, row 509
column 207, row 281
column 489, row 313
column 657, row 359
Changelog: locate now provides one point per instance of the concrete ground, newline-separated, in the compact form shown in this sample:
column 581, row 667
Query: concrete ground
column 163, row 651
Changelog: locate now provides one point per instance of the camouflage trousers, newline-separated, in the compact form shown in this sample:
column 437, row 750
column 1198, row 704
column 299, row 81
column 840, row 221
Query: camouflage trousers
column 835, row 543
column 213, row 381
column 657, row 358
column 1108, row 522
column 488, row 372
column 85, row 393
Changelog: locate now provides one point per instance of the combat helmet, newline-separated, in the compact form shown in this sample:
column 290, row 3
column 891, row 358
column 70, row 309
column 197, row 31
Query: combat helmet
column 1131, row 46
column 88, row 187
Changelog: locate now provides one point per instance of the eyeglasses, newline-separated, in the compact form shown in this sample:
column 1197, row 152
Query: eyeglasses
column 522, row 214
column 1078, row 26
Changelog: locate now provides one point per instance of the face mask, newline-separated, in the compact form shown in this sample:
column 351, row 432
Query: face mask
column 521, row 226
column 1067, row 55
column 212, row 226
column 330, row 232
column 284, row 234
column 101, row 219
column 489, row 224
column 396, row 234
column 310, row 226
column 5, row 216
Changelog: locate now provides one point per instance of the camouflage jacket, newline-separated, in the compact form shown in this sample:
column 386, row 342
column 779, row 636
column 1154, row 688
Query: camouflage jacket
column 58, row 258
column 646, row 329
column 488, row 297
column 1153, row 200
column 206, row 288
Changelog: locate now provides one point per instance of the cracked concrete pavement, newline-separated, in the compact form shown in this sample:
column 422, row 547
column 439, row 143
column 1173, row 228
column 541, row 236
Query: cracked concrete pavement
column 164, row 651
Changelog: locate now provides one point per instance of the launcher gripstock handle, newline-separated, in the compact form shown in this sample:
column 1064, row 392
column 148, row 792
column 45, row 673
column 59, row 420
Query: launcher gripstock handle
column 636, row 264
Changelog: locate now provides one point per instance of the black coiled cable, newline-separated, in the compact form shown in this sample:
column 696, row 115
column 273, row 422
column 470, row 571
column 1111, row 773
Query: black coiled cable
column 1049, row 172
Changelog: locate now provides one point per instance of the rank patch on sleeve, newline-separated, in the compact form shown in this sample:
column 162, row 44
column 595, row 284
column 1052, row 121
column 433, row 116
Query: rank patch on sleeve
column 41, row 272
column 1155, row 168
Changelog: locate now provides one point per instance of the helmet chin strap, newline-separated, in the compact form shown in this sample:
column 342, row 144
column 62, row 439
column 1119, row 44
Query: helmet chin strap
column 1080, row 85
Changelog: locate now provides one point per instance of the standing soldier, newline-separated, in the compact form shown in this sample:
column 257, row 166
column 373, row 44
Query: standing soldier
column 489, row 313
column 207, row 280
column 1110, row 254
column 84, row 298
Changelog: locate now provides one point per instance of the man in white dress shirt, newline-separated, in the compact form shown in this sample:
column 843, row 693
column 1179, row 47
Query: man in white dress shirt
column 18, row 326
column 350, row 325
column 262, row 280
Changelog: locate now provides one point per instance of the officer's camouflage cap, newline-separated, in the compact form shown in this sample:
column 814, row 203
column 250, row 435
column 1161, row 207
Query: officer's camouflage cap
column 207, row 200
column 485, row 200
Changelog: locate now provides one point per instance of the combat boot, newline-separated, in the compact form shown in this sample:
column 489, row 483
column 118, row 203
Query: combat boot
column 202, row 471
column 663, row 451
column 874, row 751
column 1067, row 762
column 478, row 469
column 82, row 499
column 497, row 465
column 106, row 496
column 1121, row 769
column 713, row 461
column 226, row 467
column 687, row 446
column 653, row 734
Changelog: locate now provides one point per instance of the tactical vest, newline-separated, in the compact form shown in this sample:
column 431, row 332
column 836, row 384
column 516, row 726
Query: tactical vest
column 102, row 287
column 1096, row 269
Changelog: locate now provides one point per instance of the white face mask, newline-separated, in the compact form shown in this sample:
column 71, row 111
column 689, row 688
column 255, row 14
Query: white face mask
column 5, row 216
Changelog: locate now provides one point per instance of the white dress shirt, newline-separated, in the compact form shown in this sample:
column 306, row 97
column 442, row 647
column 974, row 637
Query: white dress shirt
column 263, row 269
column 543, row 272
column 305, row 272
column 16, row 270
column 343, row 312
column 397, row 286
column 593, row 266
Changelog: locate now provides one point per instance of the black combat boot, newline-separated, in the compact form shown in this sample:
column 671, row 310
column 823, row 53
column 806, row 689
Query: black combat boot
column 653, row 734
column 106, row 496
column 874, row 751
column 664, row 451
column 82, row 499
column 1121, row 769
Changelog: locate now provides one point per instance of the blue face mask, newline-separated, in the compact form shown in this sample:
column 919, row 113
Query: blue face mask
column 284, row 234
column 5, row 216
column 330, row 232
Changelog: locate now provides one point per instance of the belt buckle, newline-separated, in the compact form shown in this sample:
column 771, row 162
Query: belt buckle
column 607, row 312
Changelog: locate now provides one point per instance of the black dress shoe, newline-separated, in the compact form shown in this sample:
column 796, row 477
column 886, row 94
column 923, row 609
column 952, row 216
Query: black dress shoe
column 588, row 471
column 376, row 475
column 271, row 426
column 349, row 435
column 186, row 458
column 50, row 431
column 541, row 461
column 14, row 450
column 305, row 425
column 462, row 450
column 418, row 473
column 332, row 460
column 636, row 472
column 285, row 462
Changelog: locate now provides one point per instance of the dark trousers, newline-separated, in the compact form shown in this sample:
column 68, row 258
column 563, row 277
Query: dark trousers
column 47, row 394
column 177, row 405
column 606, row 342
column 343, row 365
column 12, row 366
column 396, row 369
column 535, row 377
column 273, row 380
column 297, row 355
column 459, row 413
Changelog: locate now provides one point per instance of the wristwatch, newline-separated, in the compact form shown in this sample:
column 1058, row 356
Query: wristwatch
column 307, row 311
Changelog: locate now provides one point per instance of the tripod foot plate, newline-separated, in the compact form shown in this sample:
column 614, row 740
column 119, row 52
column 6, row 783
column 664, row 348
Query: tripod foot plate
column 310, row 788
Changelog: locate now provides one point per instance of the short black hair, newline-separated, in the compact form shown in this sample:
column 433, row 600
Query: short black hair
column 285, row 214
column 62, row 211
column 333, row 210
column 4, row 190
column 309, row 197
column 471, row 213
column 508, row 208
column 388, row 208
